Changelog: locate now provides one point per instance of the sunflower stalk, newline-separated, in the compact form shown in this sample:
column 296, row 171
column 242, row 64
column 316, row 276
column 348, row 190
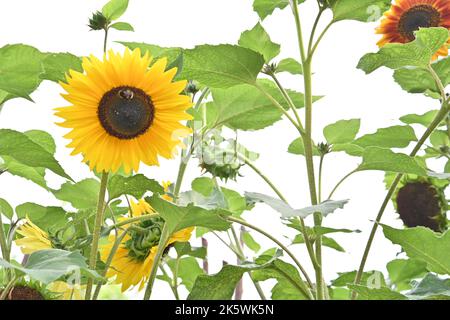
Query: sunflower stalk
column 439, row 118
column 97, row 231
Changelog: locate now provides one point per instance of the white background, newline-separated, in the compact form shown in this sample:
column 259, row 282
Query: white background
column 60, row 26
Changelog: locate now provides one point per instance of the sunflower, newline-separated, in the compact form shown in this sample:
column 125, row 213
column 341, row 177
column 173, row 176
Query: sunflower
column 133, row 261
column 34, row 238
column 407, row 16
column 421, row 202
column 124, row 111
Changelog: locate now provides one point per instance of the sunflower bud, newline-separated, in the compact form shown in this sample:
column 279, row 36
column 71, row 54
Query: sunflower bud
column 324, row 148
column 192, row 87
column 98, row 21
column 270, row 68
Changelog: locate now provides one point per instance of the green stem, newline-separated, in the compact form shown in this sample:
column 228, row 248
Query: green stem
column 181, row 171
column 175, row 280
column 442, row 114
column 314, row 48
column 7, row 289
column 3, row 241
column 298, row 27
column 340, row 182
column 109, row 260
column 174, row 290
column 313, row 32
column 320, row 177
column 96, row 232
column 282, row 246
column 105, row 40
column 159, row 253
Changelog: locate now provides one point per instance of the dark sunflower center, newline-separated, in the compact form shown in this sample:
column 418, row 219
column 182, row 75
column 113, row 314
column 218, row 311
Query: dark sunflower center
column 143, row 238
column 418, row 204
column 126, row 112
column 420, row 16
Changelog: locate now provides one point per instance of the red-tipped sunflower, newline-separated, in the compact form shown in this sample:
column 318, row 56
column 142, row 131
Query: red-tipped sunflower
column 407, row 16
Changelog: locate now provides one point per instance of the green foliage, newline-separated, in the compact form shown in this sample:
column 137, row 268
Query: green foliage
column 424, row 119
column 81, row 195
column 342, row 131
column 383, row 293
column 289, row 65
column 391, row 137
column 360, row 10
column 187, row 269
column 222, row 66
column 402, row 272
column 114, row 9
column 56, row 65
column 47, row 266
column 417, row 53
column 203, row 185
column 178, row 218
column 250, row 242
column 375, row 158
column 24, row 150
column 423, row 244
column 135, row 186
column 265, row 8
column 430, row 287
column 257, row 39
column 46, row 218
column 122, row 26
column 297, row 147
column 6, row 209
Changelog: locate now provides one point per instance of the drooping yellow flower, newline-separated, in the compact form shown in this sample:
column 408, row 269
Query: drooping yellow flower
column 133, row 261
column 65, row 291
column 34, row 238
column 407, row 16
column 124, row 112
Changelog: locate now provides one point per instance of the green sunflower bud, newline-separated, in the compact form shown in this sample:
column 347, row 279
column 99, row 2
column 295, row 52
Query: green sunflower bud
column 98, row 21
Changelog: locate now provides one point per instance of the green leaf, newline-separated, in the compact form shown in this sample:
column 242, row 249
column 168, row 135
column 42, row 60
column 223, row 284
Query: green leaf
column 375, row 158
column 402, row 271
column 222, row 66
column 265, row 8
column 179, row 218
column 257, row 39
column 383, row 293
column 297, row 147
column 6, row 209
column 250, row 242
column 219, row 286
column 46, row 218
column 20, row 69
column 326, row 242
column 81, row 195
column 321, row 230
column 122, row 26
column 360, row 10
column 424, row 119
column 187, row 270
column 414, row 54
column 289, row 65
column 23, row 149
column 287, row 211
column 203, row 185
column 185, row 249
column 135, row 186
column 235, row 202
column 57, row 65
column 423, row 244
column 430, row 288
column 114, row 9
column 47, row 266
column 342, row 131
column 391, row 137
column 370, row 278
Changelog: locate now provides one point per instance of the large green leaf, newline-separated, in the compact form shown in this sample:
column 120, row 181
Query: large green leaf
column 178, row 218
column 360, row 10
column 56, row 65
column 114, row 9
column 47, row 266
column 391, row 137
column 81, row 195
column 23, row 149
column 289, row 65
column 403, row 271
column 423, row 119
column 187, row 269
column 135, row 186
column 414, row 54
column 45, row 218
column 430, row 287
column 375, row 158
column 383, row 293
column 423, row 244
column 222, row 66
column 20, row 70
column 342, row 131
column 257, row 39
column 265, row 8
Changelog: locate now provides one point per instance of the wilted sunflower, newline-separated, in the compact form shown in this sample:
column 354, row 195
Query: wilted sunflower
column 421, row 202
column 124, row 111
column 34, row 238
column 407, row 16
column 133, row 260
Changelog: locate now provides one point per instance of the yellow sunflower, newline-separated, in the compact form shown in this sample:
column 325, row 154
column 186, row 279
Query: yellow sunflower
column 124, row 111
column 34, row 238
column 66, row 291
column 407, row 16
column 133, row 261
